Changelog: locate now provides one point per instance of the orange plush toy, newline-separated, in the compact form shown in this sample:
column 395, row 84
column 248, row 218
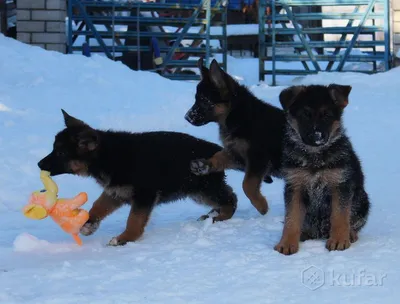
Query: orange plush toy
column 65, row 212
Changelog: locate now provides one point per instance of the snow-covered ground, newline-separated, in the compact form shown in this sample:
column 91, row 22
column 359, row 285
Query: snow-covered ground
column 180, row 260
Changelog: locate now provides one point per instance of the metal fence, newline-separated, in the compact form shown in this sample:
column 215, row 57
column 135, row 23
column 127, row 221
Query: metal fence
column 363, row 36
column 163, row 37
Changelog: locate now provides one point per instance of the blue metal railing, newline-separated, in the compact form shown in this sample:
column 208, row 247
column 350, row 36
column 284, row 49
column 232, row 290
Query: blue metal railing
column 337, row 51
column 101, row 22
column 232, row 4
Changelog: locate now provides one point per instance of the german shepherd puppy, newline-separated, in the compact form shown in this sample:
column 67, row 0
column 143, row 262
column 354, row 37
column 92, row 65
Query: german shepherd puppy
column 251, row 131
column 140, row 169
column 324, row 191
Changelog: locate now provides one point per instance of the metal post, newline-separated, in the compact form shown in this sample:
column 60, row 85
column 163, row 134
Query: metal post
column 374, row 40
column 3, row 17
column 387, row 34
column 70, row 26
column 261, row 39
column 208, row 25
column 113, row 29
column 273, row 10
column 225, row 37
column 138, row 36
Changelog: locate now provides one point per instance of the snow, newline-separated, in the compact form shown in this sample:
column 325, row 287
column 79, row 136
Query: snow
column 178, row 259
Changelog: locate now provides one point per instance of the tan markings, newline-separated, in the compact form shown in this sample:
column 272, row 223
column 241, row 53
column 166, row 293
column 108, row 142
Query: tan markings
column 203, row 199
column 79, row 167
column 293, row 122
column 240, row 146
column 225, row 213
column 334, row 128
column 221, row 161
column 300, row 177
column 122, row 192
column 339, row 238
column 221, row 112
column 136, row 223
column 251, row 187
column 103, row 206
column 289, row 243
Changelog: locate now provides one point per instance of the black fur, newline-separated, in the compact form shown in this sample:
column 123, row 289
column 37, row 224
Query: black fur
column 318, row 159
column 141, row 169
column 251, row 130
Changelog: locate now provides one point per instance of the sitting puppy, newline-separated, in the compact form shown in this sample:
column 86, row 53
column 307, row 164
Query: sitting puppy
column 324, row 191
column 140, row 169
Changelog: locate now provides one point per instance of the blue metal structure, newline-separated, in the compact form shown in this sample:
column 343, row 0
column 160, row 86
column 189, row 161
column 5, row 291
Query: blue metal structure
column 336, row 53
column 232, row 4
column 153, row 33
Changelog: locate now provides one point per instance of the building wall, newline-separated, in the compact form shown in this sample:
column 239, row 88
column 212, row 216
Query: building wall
column 396, row 26
column 42, row 23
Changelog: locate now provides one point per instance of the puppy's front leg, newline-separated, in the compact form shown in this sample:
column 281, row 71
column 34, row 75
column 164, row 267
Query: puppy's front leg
column 220, row 161
column 102, row 207
column 294, row 217
column 340, row 236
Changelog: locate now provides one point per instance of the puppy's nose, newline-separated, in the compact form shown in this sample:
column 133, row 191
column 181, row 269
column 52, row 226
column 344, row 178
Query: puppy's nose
column 40, row 164
column 188, row 117
column 317, row 136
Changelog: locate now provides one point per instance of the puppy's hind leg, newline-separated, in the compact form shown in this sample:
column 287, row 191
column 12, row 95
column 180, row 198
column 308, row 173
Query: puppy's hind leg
column 256, row 170
column 142, row 205
column 221, row 197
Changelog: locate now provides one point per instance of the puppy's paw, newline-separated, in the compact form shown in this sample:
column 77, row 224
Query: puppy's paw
column 213, row 212
column 89, row 228
column 286, row 247
column 115, row 241
column 338, row 243
column 200, row 167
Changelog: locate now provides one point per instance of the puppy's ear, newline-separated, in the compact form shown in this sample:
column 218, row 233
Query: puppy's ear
column 204, row 72
column 72, row 121
column 88, row 140
column 340, row 94
column 289, row 95
column 224, row 82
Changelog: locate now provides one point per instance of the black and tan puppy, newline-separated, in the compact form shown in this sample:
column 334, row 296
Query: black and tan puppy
column 140, row 169
column 251, row 131
column 324, row 191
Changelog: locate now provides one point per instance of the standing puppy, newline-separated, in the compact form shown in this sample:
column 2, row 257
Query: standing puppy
column 324, row 191
column 251, row 131
column 139, row 169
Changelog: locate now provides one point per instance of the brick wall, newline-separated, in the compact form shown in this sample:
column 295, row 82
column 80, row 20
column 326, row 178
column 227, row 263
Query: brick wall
column 396, row 25
column 42, row 23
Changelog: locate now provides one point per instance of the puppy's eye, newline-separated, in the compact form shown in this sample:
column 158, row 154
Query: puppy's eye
column 60, row 153
column 307, row 113
column 326, row 114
